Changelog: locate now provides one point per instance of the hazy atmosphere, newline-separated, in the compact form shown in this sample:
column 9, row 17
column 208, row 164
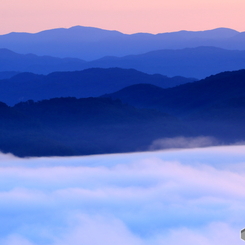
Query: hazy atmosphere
column 122, row 122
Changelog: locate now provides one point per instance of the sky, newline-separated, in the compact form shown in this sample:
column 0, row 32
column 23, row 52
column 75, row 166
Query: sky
column 182, row 196
column 127, row 16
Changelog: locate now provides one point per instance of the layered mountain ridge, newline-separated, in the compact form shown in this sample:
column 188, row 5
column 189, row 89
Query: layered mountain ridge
column 134, row 88
column 130, row 120
column 91, row 43
column 197, row 62
column 189, row 100
column 86, row 83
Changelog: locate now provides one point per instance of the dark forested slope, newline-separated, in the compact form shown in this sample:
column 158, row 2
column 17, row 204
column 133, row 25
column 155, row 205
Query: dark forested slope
column 70, row 126
column 188, row 98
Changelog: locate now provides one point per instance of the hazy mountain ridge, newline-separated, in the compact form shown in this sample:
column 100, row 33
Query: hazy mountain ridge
column 11, row 61
column 91, row 43
column 86, row 83
column 197, row 62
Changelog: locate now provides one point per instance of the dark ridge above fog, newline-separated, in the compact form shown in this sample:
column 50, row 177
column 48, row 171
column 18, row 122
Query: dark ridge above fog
column 128, row 121
column 213, row 107
column 70, row 126
column 91, row 43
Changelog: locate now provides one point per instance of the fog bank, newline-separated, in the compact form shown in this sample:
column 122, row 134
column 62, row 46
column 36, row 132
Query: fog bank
column 187, row 196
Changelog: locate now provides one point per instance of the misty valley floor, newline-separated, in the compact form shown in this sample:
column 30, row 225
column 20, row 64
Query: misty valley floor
column 149, row 198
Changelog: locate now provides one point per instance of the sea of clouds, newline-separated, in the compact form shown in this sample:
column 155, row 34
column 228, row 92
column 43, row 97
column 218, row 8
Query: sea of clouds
column 182, row 196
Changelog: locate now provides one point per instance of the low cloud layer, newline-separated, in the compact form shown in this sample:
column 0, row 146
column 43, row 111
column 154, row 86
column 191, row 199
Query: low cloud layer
column 183, row 142
column 191, row 196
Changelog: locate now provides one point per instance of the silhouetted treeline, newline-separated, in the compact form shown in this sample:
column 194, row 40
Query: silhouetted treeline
column 70, row 126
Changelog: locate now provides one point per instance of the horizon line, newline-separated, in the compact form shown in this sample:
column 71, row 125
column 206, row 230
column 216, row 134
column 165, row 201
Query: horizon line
column 114, row 30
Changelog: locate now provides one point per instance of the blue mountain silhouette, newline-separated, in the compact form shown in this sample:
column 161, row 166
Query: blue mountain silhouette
column 197, row 62
column 90, row 43
column 85, row 83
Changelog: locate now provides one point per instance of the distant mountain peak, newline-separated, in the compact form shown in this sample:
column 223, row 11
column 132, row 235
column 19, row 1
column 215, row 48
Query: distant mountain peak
column 221, row 32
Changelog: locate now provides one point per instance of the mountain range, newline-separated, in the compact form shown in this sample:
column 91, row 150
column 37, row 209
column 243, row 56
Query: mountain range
column 89, row 43
column 213, row 106
column 197, row 62
column 186, row 100
column 11, row 61
column 86, row 83
column 84, row 90
column 129, row 120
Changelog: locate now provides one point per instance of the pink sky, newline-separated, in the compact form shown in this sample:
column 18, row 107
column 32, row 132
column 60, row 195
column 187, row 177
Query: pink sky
column 127, row 16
